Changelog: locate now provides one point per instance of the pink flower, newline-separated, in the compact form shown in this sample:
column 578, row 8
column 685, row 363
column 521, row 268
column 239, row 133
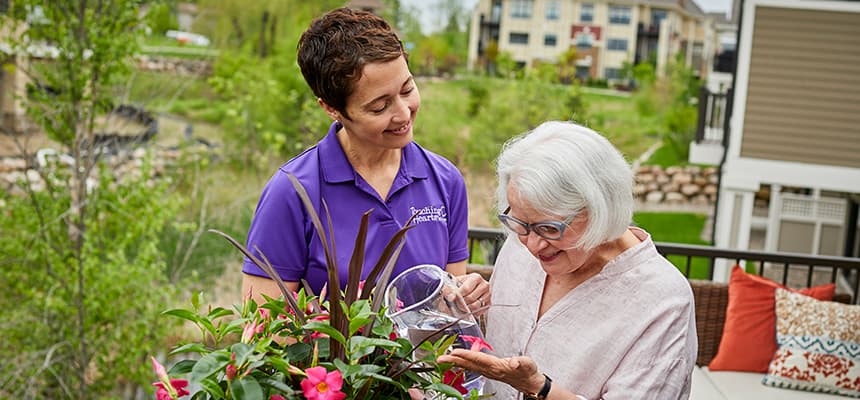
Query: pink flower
column 168, row 389
column 455, row 379
column 322, row 385
column 265, row 313
column 477, row 343
column 230, row 371
column 276, row 397
column 160, row 372
column 251, row 328
column 177, row 386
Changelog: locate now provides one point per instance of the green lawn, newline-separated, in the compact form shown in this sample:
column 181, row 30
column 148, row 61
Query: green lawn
column 677, row 228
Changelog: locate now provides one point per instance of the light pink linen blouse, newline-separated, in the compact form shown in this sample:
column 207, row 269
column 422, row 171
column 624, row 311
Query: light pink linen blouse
column 627, row 333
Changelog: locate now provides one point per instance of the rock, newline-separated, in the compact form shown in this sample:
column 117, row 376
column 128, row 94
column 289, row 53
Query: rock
column 674, row 170
column 654, row 197
column 690, row 189
column 710, row 190
column 645, row 178
column 675, row 198
column 682, row 178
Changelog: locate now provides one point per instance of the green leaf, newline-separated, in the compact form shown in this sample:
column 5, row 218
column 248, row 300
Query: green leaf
column 181, row 368
column 184, row 314
column 211, row 386
column 208, row 365
column 219, row 312
column 447, row 390
column 280, row 364
column 360, row 346
column 358, row 322
column 299, row 351
column 190, row 348
column 242, row 351
column 277, row 382
column 324, row 327
column 245, row 388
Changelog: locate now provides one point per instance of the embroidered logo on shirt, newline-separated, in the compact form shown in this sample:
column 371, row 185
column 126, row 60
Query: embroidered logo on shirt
column 429, row 214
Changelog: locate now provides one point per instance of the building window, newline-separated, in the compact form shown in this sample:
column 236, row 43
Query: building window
column 586, row 13
column 553, row 9
column 657, row 16
column 518, row 38
column 612, row 73
column 521, row 8
column 616, row 44
column 619, row 15
column 550, row 39
column 584, row 41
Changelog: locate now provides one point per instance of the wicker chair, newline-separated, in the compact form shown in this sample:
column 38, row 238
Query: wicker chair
column 711, row 299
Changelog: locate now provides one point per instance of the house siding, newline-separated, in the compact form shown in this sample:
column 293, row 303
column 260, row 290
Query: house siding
column 803, row 101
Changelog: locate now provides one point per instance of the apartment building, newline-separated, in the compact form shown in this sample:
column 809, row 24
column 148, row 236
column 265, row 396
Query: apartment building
column 605, row 33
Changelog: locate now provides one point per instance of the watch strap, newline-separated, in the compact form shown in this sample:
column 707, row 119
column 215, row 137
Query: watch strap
column 544, row 391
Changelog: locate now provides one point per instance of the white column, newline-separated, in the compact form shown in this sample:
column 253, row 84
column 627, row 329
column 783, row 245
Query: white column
column 774, row 213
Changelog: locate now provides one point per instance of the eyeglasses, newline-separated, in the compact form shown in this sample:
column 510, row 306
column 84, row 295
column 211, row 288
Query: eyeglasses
column 551, row 230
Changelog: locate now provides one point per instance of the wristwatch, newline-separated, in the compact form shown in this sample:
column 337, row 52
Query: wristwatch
column 544, row 391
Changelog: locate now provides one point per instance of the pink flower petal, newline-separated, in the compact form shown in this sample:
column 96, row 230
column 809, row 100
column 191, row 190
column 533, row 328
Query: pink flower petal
column 477, row 344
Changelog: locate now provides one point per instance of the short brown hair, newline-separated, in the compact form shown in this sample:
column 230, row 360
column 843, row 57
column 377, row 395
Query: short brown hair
column 333, row 51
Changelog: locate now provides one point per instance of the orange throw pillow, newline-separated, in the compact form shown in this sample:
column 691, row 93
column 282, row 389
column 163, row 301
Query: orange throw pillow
column 749, row 334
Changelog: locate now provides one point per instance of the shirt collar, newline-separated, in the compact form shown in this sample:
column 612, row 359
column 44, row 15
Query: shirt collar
column 336, row 167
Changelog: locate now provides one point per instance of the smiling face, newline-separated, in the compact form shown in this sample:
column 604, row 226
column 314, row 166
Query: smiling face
column 382, row 107
column 557, row 257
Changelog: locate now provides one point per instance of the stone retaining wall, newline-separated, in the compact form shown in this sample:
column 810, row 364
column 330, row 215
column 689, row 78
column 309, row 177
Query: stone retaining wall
column 673, row 186
column 179, row 66
column 16, row 172
column 676, row 185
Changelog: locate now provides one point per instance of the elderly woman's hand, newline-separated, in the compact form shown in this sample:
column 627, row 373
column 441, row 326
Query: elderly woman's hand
column 475, row 291
column 519, row 372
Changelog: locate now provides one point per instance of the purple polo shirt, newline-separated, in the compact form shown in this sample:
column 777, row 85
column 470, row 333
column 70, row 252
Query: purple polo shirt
column 426, row 183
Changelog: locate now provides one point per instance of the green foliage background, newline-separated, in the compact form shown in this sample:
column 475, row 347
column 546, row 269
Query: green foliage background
column 81, row 316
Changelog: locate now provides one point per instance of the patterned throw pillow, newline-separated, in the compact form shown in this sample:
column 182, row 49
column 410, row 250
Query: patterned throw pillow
column 819, row 346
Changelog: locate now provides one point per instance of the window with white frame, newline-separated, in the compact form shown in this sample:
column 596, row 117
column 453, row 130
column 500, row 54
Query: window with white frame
column 550, row 39
column 620, row 15
column 584, row 41
column 586, row 12
column 553, row 9
column 612, row 73
column 521, row 8
column 518, row 38
column 616, row 44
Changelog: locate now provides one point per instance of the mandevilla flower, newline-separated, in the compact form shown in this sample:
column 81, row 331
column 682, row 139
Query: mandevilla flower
column 455, row 379
column 177, row 386
column 168, row 389
column 322, row 385
column 251, row 328
column 477, row 343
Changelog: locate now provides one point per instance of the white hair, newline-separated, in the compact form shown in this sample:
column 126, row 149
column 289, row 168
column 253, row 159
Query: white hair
column 560, row 168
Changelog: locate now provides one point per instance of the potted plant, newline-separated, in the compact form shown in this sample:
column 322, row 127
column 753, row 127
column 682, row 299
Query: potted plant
column 304, row 346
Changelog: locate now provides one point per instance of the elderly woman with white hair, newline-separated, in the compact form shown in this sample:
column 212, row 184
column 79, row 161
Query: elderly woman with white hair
column 583, row 305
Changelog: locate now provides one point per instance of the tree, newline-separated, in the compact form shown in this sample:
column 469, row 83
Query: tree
column 271, row 111
column 85, row 278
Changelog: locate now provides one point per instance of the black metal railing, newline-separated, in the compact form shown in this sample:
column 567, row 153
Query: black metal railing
column 796, row 270
column 714, row 112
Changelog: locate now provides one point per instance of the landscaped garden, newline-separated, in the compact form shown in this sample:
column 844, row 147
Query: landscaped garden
column 91, row 259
